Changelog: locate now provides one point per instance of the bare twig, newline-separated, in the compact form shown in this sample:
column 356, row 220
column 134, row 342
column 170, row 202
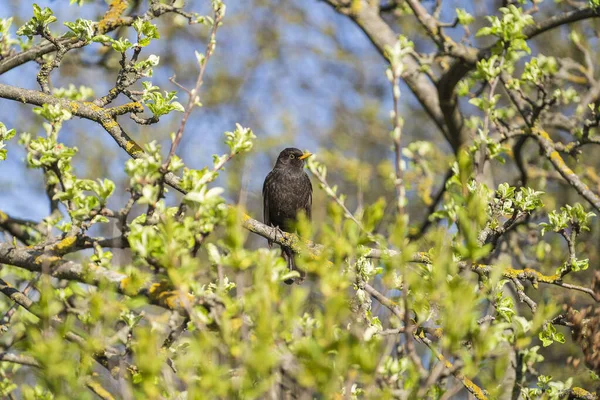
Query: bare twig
column 193, row 98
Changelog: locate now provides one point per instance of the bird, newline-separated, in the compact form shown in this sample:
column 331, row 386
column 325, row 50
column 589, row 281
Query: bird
column 286, row 191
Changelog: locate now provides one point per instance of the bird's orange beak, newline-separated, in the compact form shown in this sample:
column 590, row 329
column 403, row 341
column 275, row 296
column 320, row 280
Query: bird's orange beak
column 305, row 155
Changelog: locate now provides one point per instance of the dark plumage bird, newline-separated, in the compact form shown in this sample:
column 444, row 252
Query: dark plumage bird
column 286, row 191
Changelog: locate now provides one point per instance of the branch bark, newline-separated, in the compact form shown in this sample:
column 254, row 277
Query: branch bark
column 105, row 26
column 462, row 66
column 158, row 293
column 382, row 35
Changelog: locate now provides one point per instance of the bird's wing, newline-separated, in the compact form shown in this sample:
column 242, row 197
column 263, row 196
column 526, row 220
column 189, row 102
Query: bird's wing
column 308, row 208
column 265, row 193
column 266, row 215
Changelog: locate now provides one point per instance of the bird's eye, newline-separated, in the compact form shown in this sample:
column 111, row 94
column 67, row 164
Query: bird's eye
column 292, row 156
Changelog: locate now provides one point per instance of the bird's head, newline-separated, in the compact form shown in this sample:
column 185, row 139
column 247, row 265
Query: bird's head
column 292, row 157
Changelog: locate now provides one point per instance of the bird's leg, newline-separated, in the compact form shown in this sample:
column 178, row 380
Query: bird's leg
column 278, row 231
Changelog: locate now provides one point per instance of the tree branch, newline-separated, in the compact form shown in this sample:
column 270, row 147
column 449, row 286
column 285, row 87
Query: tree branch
column 193, row 94
column 462, row 66
column 19, row 228
column 158, row 293
column 563, row 169
column 382, row 35
column 106, row 25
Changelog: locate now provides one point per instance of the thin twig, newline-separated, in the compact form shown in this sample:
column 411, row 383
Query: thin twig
column 193, row 98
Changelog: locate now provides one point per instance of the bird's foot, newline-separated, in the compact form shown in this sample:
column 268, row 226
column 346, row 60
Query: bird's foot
column 279, row 232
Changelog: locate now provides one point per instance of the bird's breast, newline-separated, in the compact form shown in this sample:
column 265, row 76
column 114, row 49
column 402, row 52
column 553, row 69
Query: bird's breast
column 288, row 193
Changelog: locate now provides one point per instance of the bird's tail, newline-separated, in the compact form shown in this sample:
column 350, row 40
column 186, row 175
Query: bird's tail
column 288, row 255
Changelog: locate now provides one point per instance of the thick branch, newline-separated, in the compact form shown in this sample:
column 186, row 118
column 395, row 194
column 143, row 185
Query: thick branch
column 559, row 20
column 158, row 293
column 87, row 110
column 19, row 228
column 382, row 35
column 19, row 359
column 464, row 65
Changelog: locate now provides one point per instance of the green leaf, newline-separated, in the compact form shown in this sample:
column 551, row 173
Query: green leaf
column 240, row 140
column 549, row 335
column 5, row 134
column 158, row 103
column 146, row 30
column 40, row 20
column 121, row 45
column 82, row 28
column 464, row 18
